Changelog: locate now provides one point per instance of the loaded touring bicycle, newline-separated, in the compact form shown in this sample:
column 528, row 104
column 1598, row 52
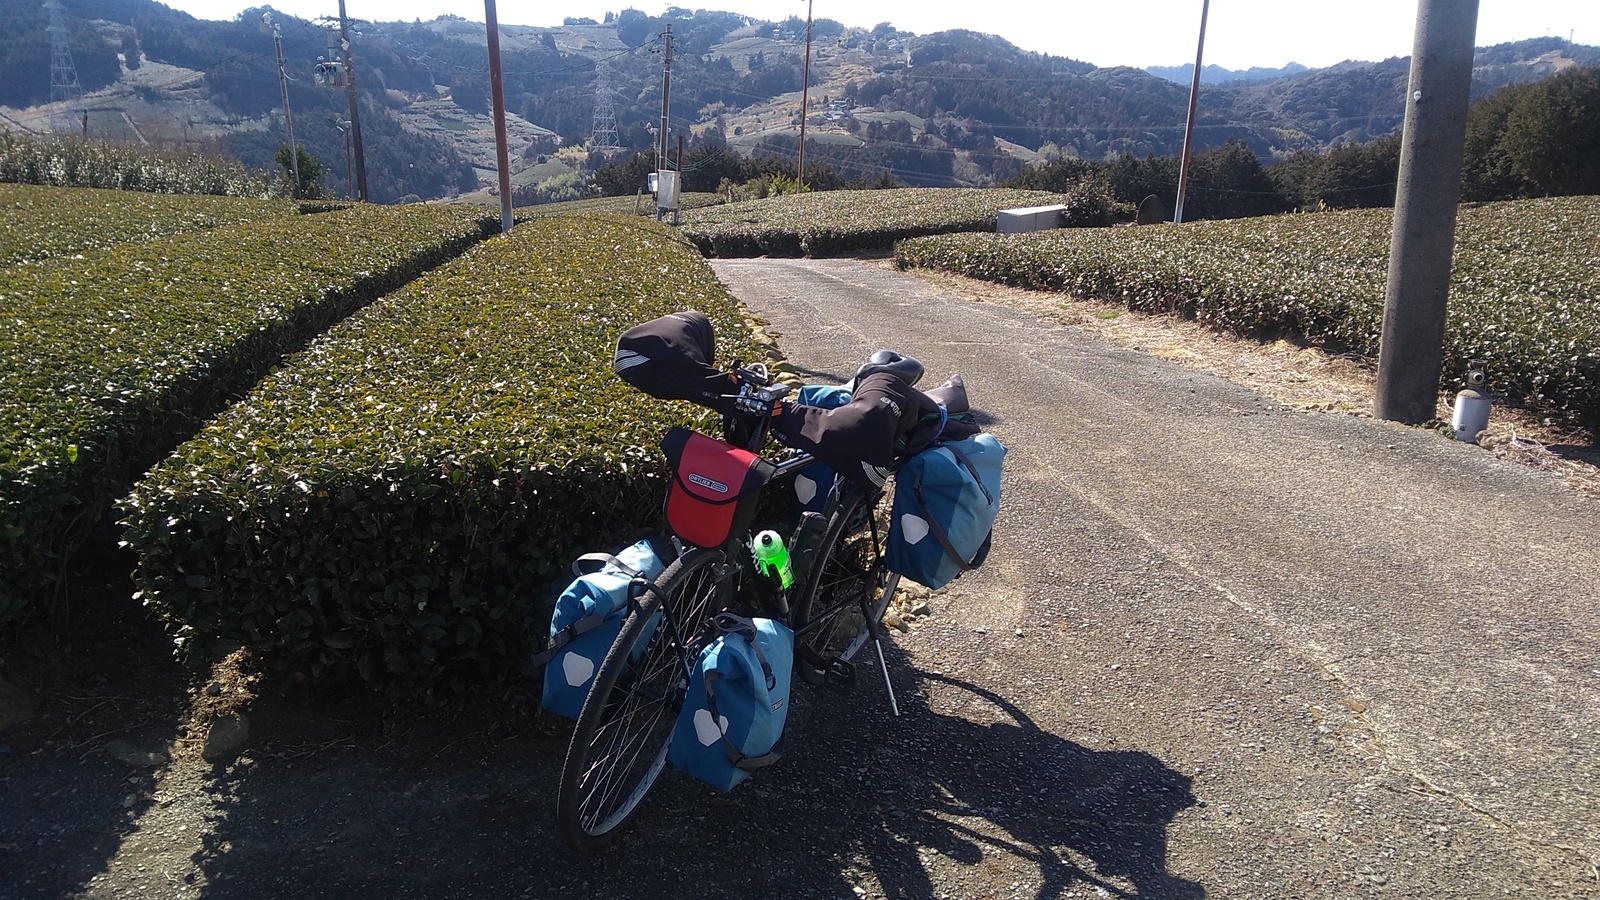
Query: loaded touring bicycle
column 680, row 651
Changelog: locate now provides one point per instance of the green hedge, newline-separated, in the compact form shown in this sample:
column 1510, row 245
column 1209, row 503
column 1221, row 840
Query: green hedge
column 385, row 505
column 40, row 222
column 836, row 222
column 109, row 360
column 1525, row 290
column 74, row 162
column 643, row 205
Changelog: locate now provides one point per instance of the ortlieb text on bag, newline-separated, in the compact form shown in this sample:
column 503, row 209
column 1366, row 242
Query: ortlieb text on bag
column 714, row 487
column 946, row 499
column 737, row 702
column 588, row 616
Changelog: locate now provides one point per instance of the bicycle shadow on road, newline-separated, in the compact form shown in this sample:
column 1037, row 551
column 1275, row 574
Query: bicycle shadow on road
column 987, row 795
column 963, row 795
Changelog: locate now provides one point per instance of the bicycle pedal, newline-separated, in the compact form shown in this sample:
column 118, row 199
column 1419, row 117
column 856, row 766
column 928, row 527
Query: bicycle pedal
column 841, row 673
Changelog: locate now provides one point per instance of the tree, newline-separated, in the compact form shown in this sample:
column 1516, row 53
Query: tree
column 1535, row 139
column 311, row 170
column 1552, row 138
column 626, row 177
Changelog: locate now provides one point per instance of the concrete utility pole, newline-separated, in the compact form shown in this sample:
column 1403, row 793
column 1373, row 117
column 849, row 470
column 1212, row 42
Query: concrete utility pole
column 497, row 97
column 1188, row 128
column 666, row 92
column 1431, row 150
column 805, row 86
column 355, row 111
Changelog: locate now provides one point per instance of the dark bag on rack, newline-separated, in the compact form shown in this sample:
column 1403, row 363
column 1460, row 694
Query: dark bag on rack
column 588, row 616
column 714, row 489
column 737, row 702
column 883, row 420
column 946, row 499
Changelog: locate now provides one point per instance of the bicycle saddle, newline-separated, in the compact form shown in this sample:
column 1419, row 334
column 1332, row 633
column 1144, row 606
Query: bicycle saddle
column 906, row 368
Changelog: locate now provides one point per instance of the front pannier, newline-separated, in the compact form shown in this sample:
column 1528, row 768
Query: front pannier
column 738, row 699
column 714, row 489
column 588, row 616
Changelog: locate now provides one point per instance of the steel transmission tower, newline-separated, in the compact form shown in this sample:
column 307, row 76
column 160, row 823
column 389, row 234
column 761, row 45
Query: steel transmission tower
column 65, row 90
column 603, row 132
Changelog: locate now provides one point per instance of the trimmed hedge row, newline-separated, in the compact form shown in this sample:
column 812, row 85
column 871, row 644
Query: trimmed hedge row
column 1525, row 290
column 41, row 222
column 643, row 205
column 75, row 162
column 110, row 359
column 386, row 506
column 835, row 222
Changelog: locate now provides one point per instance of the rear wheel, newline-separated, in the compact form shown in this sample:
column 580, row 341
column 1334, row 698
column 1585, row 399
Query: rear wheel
column 847, row 589
column 619, row 747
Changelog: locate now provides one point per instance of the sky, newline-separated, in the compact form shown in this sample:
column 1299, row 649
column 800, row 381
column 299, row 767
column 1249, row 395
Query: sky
column 1239, row 33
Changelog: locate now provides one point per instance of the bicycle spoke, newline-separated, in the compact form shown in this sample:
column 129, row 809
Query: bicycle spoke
column 845, row 590
column 621, row 744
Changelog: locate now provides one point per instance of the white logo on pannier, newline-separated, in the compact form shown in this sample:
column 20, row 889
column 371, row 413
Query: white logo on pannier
column 705, row 482
column 706, row 730
column 915, row 528
column 577, row 668
column 805, row 488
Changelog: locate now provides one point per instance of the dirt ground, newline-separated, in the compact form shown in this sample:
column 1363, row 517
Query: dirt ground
column 112, row 690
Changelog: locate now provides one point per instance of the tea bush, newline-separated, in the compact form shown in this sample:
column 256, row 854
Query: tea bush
column 40, row 222
column 385, row 505
column 110, row 359
column 73, row 162
column 836, row 222
column 1525, row 289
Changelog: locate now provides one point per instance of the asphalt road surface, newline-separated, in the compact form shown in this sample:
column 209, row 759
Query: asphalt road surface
column 1221, row 649
column 1228, row 648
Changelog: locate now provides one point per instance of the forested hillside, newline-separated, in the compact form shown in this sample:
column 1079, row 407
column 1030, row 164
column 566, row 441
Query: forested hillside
column 953, row 108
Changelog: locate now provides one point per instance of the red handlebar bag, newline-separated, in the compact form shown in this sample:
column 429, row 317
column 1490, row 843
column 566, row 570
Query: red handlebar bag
column 714, row 487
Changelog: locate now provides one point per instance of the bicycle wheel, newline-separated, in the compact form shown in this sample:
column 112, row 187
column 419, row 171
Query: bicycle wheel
column 619, row 746
column 848, row 577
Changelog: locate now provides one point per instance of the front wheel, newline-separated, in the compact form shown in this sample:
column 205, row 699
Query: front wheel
column 619, row 747
column 846, row 591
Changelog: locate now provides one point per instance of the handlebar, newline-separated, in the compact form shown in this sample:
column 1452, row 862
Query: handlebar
column 758, row 391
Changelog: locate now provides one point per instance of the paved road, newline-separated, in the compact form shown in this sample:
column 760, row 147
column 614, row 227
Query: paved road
column 1350, row 654
column 1222, row 649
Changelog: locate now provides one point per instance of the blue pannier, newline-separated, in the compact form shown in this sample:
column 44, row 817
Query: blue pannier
column 738, row 699
column 813, row 483
column 945, row 502
column 587, row 619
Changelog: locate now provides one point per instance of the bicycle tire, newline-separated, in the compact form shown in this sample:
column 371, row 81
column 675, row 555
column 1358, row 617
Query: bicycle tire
column 619, row 746
column 849, row 566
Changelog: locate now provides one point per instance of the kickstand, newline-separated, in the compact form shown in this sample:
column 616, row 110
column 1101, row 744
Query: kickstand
column 875, row 631
column 884, row 666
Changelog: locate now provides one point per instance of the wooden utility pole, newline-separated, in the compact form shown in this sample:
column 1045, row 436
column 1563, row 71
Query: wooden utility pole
column 1431, row 150
column 497, row 98
column 805, row 86
column 1188, row 128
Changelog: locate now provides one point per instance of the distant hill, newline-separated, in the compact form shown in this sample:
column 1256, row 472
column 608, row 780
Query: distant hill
column 952, row 108
column 1214, row 74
